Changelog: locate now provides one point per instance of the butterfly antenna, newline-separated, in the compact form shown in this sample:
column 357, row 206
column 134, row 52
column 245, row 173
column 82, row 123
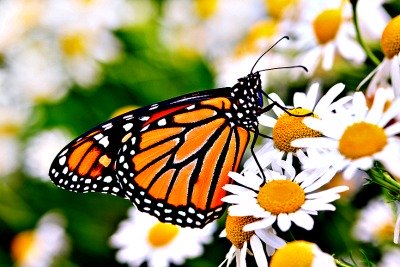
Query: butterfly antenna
column 272, row 46
column 286, row 67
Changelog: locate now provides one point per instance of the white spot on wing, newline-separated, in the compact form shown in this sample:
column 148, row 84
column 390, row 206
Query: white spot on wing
column 104, row 141
column 128, row 126
column 62, row 160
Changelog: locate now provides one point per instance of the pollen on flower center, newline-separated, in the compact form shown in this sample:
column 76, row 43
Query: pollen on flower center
column 390, row 41
column 162, row 234
column 326, row 25
column 281, row 196
column 362, row 139
column 296, row 253
column 234, row 229
column 73, row 44
column 289, row 128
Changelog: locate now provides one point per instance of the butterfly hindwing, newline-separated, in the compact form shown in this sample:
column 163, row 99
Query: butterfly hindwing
column 176, row 166
column 87, row 164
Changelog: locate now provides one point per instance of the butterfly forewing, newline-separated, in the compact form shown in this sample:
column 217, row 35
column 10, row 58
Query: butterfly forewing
column 176, row 167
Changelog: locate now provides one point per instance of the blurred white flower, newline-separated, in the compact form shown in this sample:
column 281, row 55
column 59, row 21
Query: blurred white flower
column 327, row 32
column 82, row 49
column 211, row 28
column 9, row 154
column 41, row 246
column 372, row 18
column 94, row 14
column 389, row 68
column 34, row 69
column 390, row 258
column 159, row 244
column 40, row 151
column 375, row 223
column 16, row 18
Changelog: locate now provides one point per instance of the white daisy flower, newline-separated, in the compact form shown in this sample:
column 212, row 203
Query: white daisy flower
column 286, row 128
column 359, row 136
column 9, row 154
column 83, row 49
column 332, row 34
column 41, row 246
column 372, row 18
column 194, row 26
column 301, row 253
column 390, row 258
column 34, row 69
column 390, row 66
column 243, row 241
column 283, row 197
column 17, row 17
column 40, row 151
column 95, row 14
column 375, row 223
column 159, row 244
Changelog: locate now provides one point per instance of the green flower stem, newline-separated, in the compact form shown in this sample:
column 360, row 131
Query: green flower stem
column 384, row 179
column 369, row 53
column 342, row 264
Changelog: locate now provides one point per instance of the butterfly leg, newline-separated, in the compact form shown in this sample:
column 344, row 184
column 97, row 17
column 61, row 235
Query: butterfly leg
column 253, row 144
column 285, row 109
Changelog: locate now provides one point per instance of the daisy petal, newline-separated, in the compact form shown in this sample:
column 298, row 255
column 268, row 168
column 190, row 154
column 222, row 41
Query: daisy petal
column 237, row 189
column 266, row 120
column 328, row 98
column 376, row 111
column 284, row 222
column 395, row 74
column 302, row 219
column 393, row 129
column 318, row 206
column 334, row 190
column 258, row 251
column 270, row 238
column 242, row 255
column 264, row 223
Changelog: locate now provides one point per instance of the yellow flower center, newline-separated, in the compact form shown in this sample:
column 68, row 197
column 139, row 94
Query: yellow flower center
column 362, row 139
column 281, row 196
column 294, row 254
column 234, row 229
column 390, row 41
column 22, row 245
column 289, row 128
column 385, row 232
column 255, row 39
column 277, row 8
column 73, row 44
column 161, row 234
column 326, row 25
column 205, row 8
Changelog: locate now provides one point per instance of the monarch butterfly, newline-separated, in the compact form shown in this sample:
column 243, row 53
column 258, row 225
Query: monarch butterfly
column 169, row 159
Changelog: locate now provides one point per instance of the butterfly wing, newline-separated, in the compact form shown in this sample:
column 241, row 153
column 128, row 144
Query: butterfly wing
column 174, row 167
column 87, row 164
column 170, row 159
